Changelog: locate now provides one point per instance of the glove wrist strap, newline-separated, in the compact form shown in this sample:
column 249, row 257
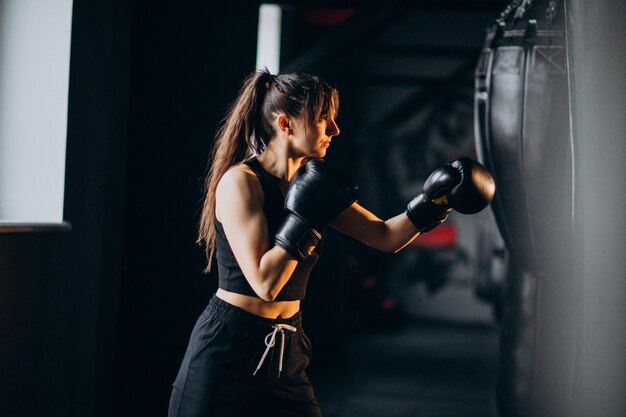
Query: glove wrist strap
column 297, row 237
column 424, row 214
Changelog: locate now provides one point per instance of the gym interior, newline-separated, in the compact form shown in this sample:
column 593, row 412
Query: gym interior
column 107, row 116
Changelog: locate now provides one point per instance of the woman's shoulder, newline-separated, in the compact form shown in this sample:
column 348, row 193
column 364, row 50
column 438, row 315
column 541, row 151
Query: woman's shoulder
column 242, row 179
column 240, row 174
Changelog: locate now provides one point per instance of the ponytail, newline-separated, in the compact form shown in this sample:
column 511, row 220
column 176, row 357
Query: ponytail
column 235, row 141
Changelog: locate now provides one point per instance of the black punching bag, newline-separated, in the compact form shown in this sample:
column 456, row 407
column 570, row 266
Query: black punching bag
column 522, row 136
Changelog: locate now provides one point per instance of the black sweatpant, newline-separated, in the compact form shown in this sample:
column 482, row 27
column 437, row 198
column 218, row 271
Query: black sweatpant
column 226, row 345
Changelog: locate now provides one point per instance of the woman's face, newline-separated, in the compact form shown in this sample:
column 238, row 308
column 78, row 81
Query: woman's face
column 313, row 141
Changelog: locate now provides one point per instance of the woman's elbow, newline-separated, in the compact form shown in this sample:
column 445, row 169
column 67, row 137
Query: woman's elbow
column 267, row 295
column 267, row 292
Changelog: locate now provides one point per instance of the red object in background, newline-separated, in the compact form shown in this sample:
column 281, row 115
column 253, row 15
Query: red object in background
column 370, row 282
column 325, row 17
column 389, row 304
column 443, row 236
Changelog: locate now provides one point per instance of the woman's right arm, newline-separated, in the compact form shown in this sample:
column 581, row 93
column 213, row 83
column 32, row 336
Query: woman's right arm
column 239, row 207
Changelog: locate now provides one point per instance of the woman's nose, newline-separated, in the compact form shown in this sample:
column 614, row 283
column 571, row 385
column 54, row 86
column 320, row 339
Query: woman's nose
column 332, row 129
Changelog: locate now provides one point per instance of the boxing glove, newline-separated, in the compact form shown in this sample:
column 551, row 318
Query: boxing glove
column 473, row 191
column 316, row 195
column 463, row 185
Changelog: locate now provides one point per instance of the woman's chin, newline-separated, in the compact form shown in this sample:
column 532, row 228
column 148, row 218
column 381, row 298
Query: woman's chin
column 321, row 153
column 317, row 152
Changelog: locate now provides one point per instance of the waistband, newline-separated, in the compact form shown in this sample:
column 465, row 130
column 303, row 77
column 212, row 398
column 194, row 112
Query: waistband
column 222, row 310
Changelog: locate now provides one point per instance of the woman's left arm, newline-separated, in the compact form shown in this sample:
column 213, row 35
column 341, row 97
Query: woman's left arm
column 386, row 235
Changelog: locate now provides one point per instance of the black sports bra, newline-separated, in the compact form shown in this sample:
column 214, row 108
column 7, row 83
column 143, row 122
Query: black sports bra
column 231, row 277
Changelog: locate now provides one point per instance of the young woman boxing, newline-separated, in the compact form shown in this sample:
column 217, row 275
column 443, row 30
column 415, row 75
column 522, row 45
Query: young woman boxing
column 269, row 195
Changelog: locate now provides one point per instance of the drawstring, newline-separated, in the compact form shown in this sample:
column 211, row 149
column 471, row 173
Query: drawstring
column 270, row 341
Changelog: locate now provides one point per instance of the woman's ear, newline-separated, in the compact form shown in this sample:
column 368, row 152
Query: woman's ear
column 283, row 123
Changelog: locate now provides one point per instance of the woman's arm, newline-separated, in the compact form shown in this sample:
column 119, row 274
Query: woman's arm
column 239, row 207
column 388, row 236
column 463, row 185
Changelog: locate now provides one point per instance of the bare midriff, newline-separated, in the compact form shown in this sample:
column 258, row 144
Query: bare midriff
column 259, row 307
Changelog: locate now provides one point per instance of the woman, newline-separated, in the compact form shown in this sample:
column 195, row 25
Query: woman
column 248, row 354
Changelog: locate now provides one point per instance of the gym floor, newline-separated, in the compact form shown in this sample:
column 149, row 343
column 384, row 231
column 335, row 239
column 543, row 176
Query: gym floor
column 427, row 369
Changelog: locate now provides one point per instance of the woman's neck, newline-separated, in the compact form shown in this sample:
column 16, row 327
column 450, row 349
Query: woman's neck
column 276, row 160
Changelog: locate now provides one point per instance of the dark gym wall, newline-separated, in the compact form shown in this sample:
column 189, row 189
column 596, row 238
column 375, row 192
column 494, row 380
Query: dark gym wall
column 188, row 62
column 95, row 315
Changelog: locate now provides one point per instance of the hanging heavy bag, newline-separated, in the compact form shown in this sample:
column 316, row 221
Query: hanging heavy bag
column 521, row 131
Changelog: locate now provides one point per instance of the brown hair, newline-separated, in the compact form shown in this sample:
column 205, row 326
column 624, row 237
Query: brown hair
column 247, row 129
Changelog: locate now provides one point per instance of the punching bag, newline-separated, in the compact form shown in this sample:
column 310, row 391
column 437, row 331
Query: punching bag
column 521, row 121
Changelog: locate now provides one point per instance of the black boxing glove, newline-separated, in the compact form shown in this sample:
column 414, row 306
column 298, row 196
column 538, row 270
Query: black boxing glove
column 316, row 195
column 463, row 185
column 428, row 210
column 474, row 191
